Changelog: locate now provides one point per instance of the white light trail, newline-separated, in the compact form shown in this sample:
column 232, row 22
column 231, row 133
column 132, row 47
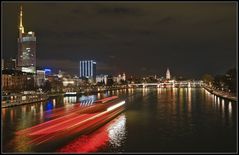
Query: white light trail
column 116, row 106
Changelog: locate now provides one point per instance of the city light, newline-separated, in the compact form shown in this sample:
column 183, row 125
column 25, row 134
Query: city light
column 119, row 78
column 116, row 106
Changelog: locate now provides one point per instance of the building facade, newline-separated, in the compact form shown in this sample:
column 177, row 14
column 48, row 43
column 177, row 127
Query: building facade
column 168, row 76
column 101, row 79
column 17, row 81
column 40, row 78
column 26, row 56
column 2, row 64
column 87, row 69
column 9, row 64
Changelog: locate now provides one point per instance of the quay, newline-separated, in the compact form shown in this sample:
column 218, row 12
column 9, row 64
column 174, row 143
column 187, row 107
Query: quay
column 21, row 99
column 225, row 95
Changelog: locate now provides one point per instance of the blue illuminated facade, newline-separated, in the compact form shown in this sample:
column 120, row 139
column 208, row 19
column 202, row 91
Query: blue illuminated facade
column 47, row 71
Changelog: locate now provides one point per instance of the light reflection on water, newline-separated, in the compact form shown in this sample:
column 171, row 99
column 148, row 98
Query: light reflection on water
column 116, row 131
column 189, row 100
column 230, row 108
column 113, row 134
column 172, row 110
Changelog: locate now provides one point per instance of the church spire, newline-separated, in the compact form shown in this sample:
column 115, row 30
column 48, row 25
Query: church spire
column 21, row 28
column 168, row 74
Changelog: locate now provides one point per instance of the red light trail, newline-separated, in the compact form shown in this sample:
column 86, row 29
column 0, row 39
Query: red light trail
column 77, row 120
column 94, row 141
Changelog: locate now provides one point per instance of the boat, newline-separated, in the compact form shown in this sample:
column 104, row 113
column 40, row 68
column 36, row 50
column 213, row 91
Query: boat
column 21, row 99
column 70, row 94
column 78, row 121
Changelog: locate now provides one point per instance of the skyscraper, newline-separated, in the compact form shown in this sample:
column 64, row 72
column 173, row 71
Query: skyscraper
column 167, row 74
column 26, row 56
column 88, row 69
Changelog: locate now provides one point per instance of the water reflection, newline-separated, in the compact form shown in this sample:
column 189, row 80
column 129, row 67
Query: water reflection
column 3, row 113
column 189, row 100
column 145, row 91
column 41, row 111
column 54, row 103
column 221, row 106
column 181, row 95
column 69, row 99
column 49, row 106
column 116, row 131
column 230, row 108
column 113, row 134
column 178, row 111
column 159, row 90
column 98, row 95
column 11, row 114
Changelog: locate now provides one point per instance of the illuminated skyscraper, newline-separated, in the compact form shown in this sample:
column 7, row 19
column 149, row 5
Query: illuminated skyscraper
column 26, row 56
column 167, row 74
column 88, row 69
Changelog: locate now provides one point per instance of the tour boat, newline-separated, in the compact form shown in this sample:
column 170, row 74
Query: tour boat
column 78, row 121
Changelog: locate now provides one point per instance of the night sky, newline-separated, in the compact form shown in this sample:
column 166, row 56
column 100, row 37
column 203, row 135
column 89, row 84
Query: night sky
column 136, row 38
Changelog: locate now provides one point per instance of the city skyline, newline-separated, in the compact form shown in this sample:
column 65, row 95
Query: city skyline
column 119, row 77
column 118, row 47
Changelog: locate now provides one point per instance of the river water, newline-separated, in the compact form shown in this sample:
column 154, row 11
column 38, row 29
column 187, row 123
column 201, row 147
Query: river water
column 154, row 120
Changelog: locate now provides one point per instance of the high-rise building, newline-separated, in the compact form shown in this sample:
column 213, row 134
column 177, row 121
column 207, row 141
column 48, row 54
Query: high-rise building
column 88, row 69
column 26, row 56
column 40, row 78
column 168, row 74
column 2, row 63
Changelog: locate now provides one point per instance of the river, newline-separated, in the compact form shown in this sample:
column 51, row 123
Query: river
column 154, row 120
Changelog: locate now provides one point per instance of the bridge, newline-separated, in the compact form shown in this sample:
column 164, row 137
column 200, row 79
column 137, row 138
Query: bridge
column 171, row 83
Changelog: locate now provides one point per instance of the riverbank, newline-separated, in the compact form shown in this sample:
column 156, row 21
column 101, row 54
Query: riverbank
column 86, row 92
column 33, row 98
column 18, row 102
column 222, row 94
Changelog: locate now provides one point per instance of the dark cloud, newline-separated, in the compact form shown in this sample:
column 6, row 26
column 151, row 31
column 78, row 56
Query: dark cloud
column 165, row 20
column 119, row 11
column 189, row 38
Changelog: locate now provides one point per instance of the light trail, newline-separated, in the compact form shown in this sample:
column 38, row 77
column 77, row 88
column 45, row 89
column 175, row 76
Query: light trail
column 79, row 120
column 96, row 140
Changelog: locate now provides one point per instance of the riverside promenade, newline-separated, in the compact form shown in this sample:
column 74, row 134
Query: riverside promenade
column 222, row 94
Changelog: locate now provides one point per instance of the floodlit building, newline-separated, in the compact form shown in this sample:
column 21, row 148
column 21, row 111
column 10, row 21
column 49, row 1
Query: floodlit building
column 26, row 56
column 120, row 78
column 168, row 76
column 101, row 78
column 40, row 78
column 87, row 69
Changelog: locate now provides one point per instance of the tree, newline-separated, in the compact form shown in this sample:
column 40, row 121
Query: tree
column 219, row 81
column 231, row 79
column 207, row 78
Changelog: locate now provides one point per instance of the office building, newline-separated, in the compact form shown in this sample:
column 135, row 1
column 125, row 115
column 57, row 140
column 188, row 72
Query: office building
column 87, row 69
column 26, row 56
column 2, row 63
column 40, row 78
